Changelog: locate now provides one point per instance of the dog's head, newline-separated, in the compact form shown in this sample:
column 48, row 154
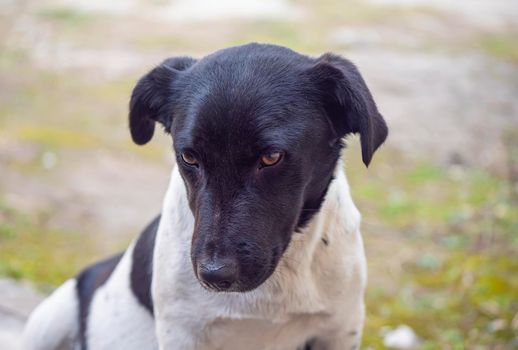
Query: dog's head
column 257, row 132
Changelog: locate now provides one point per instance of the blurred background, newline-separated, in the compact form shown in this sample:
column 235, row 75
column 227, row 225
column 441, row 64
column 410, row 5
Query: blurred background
column 439, row 201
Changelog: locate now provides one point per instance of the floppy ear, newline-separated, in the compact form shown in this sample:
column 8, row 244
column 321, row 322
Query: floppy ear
column 349, row 103
column 153, row 97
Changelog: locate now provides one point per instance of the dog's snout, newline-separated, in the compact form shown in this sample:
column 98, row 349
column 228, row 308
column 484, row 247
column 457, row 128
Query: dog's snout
column 218, row 275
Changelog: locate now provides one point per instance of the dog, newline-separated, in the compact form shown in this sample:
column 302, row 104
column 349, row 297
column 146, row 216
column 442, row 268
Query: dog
column 258, row 243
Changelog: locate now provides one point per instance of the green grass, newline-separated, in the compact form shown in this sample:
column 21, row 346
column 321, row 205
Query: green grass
column 455, row 236
column 503, row 46
column 437, row 201
column 55, row 137
column 63, row 14
column 54, row 112
column 31, row 250
column 455, row 303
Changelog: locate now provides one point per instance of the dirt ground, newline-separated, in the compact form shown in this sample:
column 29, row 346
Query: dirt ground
column 443, row 73
column 18, row 300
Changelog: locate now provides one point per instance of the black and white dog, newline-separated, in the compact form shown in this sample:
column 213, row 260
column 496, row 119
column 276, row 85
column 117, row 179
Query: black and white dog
column 258, row 243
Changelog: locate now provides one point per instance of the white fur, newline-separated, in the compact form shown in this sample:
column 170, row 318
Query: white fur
column 117, row 320
column 316, row 291
column 53, row 324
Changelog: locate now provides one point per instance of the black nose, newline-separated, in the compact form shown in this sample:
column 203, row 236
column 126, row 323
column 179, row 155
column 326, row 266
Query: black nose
column 219, row 275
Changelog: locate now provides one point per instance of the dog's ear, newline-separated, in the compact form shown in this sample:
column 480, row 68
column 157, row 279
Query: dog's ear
column 349, row 103
column 153, row 98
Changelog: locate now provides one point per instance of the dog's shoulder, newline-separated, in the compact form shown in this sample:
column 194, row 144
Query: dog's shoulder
column 54, row 323
column 92, row 278
column 121, row 310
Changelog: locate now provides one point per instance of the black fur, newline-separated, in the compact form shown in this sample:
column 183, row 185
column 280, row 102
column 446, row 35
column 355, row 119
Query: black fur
column 230, row 108
column 142, row 267
column 88, row 281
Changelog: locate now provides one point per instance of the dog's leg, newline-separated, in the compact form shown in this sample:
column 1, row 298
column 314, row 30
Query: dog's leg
column 54, row 323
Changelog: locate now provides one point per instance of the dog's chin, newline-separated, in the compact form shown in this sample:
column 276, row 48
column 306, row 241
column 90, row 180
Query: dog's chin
column 240, row 286
column 232, row 289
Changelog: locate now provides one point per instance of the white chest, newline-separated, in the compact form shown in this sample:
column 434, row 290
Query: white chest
column 227, row 334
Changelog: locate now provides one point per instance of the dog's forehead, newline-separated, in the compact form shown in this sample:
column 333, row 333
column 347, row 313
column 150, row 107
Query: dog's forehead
column 252, row 68
column 226, row 122
column 247, row 100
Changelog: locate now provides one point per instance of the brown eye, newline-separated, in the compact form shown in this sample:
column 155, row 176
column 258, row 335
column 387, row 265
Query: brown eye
column 271, row 158
column 189, row 158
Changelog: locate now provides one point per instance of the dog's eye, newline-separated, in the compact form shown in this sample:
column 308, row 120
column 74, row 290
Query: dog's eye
column 271, row 159
column 189, row 158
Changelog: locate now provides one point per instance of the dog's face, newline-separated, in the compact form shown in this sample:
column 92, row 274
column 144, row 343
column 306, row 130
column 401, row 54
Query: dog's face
column 257, row 132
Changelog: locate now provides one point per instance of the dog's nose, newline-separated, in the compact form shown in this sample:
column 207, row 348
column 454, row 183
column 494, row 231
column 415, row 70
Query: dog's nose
column 219, row 275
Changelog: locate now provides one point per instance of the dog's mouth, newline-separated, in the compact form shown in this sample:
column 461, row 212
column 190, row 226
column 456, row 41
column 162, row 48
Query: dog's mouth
column 215, row 287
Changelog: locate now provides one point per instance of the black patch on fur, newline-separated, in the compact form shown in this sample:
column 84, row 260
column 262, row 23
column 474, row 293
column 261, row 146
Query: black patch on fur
column 142, row 267
column 312, row 207
column 325, row 241
column 88, row 281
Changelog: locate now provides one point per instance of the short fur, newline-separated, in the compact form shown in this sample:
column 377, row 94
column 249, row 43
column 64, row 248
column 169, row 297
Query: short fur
column 245, row 255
